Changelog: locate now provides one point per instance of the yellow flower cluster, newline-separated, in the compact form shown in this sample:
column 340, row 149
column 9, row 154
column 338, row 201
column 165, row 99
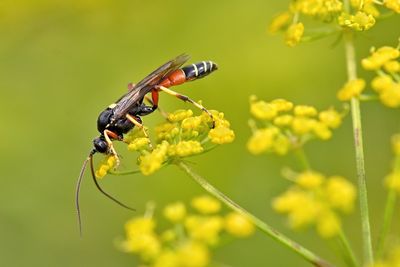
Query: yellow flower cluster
column 181, row 136
column 392, row 180
column 367, row 6
column 323, row 9
column 191, row 237
column 294, row 34
column 106, row 165
column 316, row 200
column 391, row 260
column 393, row 5
column 351, row 89
column 385, row 62
column 281, row 126
column 361, row 21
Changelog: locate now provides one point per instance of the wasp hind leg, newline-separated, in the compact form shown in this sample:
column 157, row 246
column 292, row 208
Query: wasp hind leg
column 107, row 135
column 138, row 123
column 187, row 99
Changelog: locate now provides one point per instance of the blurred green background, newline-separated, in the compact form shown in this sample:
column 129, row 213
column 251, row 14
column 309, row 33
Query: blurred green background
column 62, row 62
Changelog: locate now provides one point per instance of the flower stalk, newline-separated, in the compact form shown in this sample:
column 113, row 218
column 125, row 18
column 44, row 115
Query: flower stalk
column 303, row 252
column 359, row 152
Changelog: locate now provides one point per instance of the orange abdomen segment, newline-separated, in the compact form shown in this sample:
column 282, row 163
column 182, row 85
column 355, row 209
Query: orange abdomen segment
column 175, row 78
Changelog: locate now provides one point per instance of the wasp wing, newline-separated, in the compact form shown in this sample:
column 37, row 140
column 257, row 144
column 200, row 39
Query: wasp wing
column 136, row 94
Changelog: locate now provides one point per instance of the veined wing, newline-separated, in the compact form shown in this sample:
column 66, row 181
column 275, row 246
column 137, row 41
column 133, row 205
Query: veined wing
column 130, row 99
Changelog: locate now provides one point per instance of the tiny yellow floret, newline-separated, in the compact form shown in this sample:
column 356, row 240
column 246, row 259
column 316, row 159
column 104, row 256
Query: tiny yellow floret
column 280, row 22
column 294, row 34
column 340, row 193
column 393, row 5
column 221, row 135
column 330, row 118
column 351, row 89
column 310, row 179
column 206, row 204
column 303, row 110
column 175, row 212
column 238, row 225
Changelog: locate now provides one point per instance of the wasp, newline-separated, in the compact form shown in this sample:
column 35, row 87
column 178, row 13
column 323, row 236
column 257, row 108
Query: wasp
column 123, row 115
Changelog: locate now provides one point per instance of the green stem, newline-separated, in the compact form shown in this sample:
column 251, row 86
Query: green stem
column 305, row 253
column 347, row 250
column 387, row 219
column 301, row 156
column 358, row 142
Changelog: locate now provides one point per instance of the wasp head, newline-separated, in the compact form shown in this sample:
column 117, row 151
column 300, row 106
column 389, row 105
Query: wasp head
column 100, row 144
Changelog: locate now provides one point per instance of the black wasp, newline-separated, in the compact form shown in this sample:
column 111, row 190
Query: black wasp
column 123, row 115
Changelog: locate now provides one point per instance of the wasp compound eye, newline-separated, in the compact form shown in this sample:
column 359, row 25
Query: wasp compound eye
column 100, row 145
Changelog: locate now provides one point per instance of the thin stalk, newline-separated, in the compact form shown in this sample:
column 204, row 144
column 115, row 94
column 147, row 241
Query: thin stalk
column 359, row 152
column 301, row 156
column 347, row 250
column 387, row 219
column 305, row 253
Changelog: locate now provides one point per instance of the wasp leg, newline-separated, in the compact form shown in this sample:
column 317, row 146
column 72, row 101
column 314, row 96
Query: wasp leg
column 107, row 135
column 162, row 111
column 187, row 99
column 138, row 123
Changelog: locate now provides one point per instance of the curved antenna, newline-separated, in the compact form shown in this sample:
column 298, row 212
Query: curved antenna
column 78, row 189
column 102, row 191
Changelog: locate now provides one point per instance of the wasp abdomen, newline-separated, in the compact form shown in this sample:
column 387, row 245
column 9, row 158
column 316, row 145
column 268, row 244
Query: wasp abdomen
column 199, row 70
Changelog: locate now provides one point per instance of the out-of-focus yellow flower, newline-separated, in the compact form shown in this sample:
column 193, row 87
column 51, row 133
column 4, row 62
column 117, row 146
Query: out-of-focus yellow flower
column 294, row 34
column 367, row 6
column 328, row 225
column 393, row 5
column 238, row 225
column 340, row 193
column 221, row 135
column 281, row 144
column 379, row 57
column 280, row 22
column 153, row 161
column 193, row 254
column 139, row 225
column 179, row 115
column 262, row 140
column 282, row 105
column 361, row 21
column 395, row 140
column 392, row 181
column 206, row 204
column 322, row 131
column 138, row 144
column 391, row 96
column 392, row 259
column 204, row 228
column 167, row 258
column 382, row 83
column 392, row 66
column 168, row 235
column 283, row 120
column 107, row 164
column 351, row 89
column 303, row 110
column 175, row 212
column 330, row 118
column 310, row 179
column 323, row 9
column 303, row 125
column 263, row 110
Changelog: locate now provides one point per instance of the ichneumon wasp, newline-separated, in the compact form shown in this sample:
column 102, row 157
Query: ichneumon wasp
column 123, row 115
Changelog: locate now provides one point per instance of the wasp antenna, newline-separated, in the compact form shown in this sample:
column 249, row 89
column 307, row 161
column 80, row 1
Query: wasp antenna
column 102, row 191
column 78, row 189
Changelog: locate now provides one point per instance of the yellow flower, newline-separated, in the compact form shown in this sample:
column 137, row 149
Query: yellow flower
column 139, row 225
column 204, row 228
column 310, row 179
column 179, row 115
column 391, row 96
column 328, row 225
column 351, row 89
column 340, row 193
column 153, row 161
column 175, row 212
column 303, row 110
column 193, row 254
column 380, row 57
column 262, row 140
column 393, row 5
column 396, row 144
column 192, row 123
column 281, row 144
column 294, row 34
column 263, row 110
column 392, row 181
column 167, row 258
column 238, row 225
column 322, row 131
column 317, row 8
column 280, row 22
column 221, row 135
column 168, row 235
column 185, row 148
column 361, row 21
column 206, row 204
column 107, row 164
column 392, row 66
column 138, row 144
column 166, row 131
column 283, row 120
column 303, row 125
column 330, row 118
column 382, row 83
column 282, row 104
